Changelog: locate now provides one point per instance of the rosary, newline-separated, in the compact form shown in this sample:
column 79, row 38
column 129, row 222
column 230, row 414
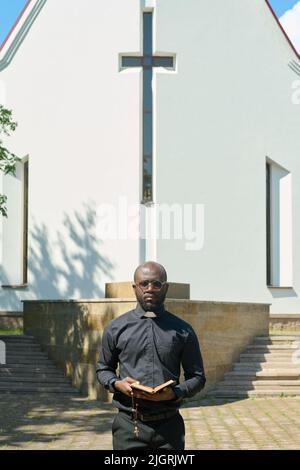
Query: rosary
column 135, row 414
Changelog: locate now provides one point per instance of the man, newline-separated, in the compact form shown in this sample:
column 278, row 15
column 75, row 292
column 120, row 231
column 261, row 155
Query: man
column 149, row 344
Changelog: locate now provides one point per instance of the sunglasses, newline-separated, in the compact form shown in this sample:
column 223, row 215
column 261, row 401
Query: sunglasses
column 157, row 285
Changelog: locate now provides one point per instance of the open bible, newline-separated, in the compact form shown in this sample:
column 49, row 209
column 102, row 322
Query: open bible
column 151, row 390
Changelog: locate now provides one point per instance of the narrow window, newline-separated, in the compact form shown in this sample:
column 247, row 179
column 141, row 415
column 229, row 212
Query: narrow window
column 279, row 226
column 25, row 223
column 268, row 195
column 15, row 228
column 147, row 61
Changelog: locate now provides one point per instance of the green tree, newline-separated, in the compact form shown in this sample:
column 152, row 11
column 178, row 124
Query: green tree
column 8, row 160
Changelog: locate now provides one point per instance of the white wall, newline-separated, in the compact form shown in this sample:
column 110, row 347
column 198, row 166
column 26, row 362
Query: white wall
column 225, row 109
column 79, row 122
column 228, row 108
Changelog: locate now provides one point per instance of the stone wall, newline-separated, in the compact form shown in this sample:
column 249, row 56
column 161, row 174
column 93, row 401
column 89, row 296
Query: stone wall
column 224, row 330
column 11, row 320
column 285, row 323
column 70, row 331
column 123, row 290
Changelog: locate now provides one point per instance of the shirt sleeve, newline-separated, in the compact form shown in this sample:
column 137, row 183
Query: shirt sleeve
column 108, row 361
column 192, row 364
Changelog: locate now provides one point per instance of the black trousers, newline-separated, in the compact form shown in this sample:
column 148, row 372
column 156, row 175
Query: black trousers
column 164, row 434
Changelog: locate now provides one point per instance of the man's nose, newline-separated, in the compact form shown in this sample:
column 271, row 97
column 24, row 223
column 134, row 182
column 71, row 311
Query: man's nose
column 150, row 287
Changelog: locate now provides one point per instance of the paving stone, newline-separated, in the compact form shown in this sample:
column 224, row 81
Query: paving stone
column 50, row 423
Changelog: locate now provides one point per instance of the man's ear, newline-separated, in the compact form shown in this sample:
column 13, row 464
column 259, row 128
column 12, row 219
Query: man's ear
column 167, row 286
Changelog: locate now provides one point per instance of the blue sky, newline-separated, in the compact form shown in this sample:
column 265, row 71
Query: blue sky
column 287, row 10
column 281, row 6
column 9, row 11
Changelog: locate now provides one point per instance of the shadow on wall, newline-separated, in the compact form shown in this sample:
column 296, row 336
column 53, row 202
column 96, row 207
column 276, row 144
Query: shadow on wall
column 280, row 293
column 72, row 266
column 67, row 264
column 71, row 334
column 9, row 298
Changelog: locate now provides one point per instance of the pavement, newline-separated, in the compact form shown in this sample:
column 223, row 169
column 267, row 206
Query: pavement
column 36, row 422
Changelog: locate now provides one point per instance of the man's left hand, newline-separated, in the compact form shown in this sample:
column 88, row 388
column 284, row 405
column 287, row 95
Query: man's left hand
column 166, row 394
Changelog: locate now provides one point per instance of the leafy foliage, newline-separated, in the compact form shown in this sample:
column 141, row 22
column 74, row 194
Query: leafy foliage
column 8, row 160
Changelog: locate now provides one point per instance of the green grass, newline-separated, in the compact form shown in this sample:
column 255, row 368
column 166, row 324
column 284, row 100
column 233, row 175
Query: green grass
column 17, row 331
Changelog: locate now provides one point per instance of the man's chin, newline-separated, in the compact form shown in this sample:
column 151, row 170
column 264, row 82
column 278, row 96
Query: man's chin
column 149, row 306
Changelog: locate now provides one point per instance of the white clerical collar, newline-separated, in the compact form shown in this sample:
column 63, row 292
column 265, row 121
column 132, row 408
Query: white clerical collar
column 150, row 315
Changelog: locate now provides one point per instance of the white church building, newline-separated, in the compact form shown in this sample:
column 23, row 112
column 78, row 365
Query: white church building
column 151, row 129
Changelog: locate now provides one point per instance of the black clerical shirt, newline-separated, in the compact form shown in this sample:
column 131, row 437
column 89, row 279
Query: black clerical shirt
column 151, row 351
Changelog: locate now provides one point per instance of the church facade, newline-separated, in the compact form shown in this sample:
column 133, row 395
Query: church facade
column 152, row 129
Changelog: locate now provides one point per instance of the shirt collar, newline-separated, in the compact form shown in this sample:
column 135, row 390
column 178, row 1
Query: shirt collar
column 140, row 312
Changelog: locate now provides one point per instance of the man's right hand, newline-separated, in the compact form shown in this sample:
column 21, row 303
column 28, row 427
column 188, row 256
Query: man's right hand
column 123, row 386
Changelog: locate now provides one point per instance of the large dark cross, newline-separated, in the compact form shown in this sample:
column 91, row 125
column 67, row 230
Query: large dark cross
column 147, row 61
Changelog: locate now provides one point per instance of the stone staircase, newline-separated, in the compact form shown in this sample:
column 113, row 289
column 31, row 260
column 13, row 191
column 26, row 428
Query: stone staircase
column 270, row 366
column 29, row 370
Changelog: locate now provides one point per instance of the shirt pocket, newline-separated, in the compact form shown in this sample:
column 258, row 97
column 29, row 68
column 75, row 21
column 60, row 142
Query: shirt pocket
column 170, row 347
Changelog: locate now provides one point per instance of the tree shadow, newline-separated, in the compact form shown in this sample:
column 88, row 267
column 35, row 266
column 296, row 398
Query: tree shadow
column 69, row 264
column 64, row 264
column 45, row 421
column 208, row 401
column 9, row 298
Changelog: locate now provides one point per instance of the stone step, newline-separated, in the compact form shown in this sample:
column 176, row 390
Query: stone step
column 235, row 393
column 26, row 352
column 270, row 366
column 22, row 347
column 34, row 378
column 256, row 357
column 273, row 339
column 38, row 389
column 27, row 357
column 266, row 375
column 279, row 337
column 28, row 360
column 29, row 368
column 21, row 344
column 21, row 385
column 257, row 384
column 272, row 347
column 265, row 365
column 275, row 354
column 18, row 337
column 32, row 375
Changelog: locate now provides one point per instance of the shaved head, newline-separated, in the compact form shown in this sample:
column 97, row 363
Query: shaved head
column 151, row 267
column 149, row 298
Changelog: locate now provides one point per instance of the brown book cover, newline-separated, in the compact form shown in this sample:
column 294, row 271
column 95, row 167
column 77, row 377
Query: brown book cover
column 151, row 390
